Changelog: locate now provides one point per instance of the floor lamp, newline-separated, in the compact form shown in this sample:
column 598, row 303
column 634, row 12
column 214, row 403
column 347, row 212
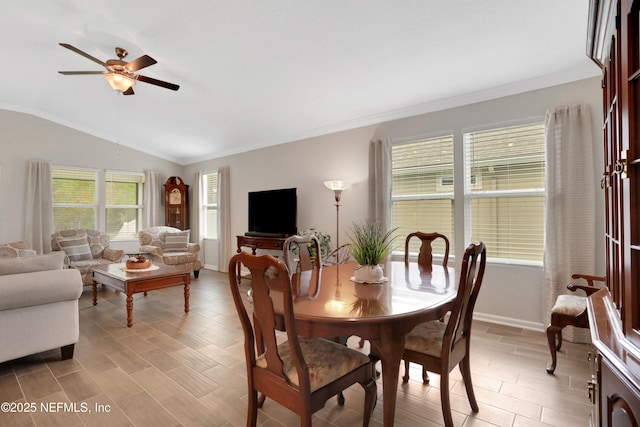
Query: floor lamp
column 336, row 187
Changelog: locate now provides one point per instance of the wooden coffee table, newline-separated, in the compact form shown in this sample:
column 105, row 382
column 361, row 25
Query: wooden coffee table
column 165, row 276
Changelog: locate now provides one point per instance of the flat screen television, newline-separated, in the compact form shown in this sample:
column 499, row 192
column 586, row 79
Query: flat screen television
column 273, row 213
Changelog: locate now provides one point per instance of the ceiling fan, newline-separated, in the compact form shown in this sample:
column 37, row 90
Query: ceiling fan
column 119, row 73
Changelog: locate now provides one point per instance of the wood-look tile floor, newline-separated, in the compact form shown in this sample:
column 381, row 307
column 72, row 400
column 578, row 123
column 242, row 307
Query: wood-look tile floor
column 177, row 369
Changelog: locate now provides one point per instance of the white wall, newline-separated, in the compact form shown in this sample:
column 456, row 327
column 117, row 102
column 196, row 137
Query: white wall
column 24, row 137
column 511, row 294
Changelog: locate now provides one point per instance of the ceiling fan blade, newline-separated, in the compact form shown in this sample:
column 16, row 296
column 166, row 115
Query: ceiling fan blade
column 78, row 73
column 157, row 82
column 140, row 63
column 85, row 54
column 129, row 91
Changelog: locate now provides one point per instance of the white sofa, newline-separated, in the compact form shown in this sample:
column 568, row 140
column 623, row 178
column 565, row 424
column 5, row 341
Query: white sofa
column 38, row 306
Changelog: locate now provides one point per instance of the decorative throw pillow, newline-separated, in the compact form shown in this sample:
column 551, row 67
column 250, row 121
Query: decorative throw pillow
column 50, row 261
column 176, row 242
column 76, row 247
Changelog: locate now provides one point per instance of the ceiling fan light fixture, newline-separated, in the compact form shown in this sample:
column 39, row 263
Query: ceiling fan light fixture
column 119, row 81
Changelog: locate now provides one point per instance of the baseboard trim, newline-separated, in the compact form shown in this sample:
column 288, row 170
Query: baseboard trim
column 509, row 321
column 483, row 317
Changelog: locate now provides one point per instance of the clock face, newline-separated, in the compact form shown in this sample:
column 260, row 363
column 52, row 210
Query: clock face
column 175, row 197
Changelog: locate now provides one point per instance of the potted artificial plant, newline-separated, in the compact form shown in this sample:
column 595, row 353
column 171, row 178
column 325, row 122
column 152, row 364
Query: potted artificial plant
column 370, row 244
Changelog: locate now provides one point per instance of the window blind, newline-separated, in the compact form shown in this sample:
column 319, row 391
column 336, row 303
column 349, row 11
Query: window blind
column 422, row 190
column 504, row 181
column 211, row 205
column 74, row 186
column 123, row 198
column 124, row 188
column 74, row 198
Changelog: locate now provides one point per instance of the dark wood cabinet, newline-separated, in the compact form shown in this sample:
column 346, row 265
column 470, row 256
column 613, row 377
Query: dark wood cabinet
column 176, row 202
column 614, row 313
column 271, row 243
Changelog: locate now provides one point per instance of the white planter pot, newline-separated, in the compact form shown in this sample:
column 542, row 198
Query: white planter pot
column 368, row 291
column 368, row 273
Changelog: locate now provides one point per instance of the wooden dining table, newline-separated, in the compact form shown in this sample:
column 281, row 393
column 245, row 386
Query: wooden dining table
column 382, row 313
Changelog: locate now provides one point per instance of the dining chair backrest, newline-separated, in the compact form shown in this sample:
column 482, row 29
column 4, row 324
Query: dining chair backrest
column 266, row 272
column 471, row 275
column 306, row 268
column 281, row 372
column 425, row 255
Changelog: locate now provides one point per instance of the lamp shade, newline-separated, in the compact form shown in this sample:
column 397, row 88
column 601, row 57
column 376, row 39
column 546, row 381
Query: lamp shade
column 334, row 185
column 119, row 81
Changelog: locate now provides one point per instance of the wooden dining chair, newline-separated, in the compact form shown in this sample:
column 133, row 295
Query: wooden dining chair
column 301, row 373
column 440, row 346
column 570, row 310
column 306, row 266
column 425, row 255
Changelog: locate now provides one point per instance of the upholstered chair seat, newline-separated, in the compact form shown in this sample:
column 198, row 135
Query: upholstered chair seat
column 85, row 248
column 571, row 305
column 327, row 361
column 171, row 246
column 426, row 338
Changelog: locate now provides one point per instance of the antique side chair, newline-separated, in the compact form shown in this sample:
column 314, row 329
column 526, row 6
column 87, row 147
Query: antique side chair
column 440, row 346
column 570, row 310
column 301, row 373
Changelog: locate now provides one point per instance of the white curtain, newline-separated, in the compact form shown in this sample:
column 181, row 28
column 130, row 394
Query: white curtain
column 380, row 182
column 197, row 226
column 38, row 224
column 152, row 199
column 224, row 219
column 570, row 233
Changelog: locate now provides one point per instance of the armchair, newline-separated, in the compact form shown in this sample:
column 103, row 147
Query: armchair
column 85, row 248
column 168, row 245
column 17, row 249
column 570, row 310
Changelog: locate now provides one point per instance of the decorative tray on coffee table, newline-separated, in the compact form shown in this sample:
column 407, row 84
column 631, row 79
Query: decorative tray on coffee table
column 138, row 263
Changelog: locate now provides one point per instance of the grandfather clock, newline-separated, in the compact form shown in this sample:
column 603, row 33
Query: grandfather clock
column 176, row 196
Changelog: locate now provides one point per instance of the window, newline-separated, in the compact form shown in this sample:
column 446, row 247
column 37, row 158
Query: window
column 503, row 192
column 210, row 205
column 75, row 198
column 506, row 203
column 422, row 190
column 123, row 204
column 88, row 198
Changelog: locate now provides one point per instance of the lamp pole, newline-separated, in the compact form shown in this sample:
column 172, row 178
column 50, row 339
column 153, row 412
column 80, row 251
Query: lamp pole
column 338, row 193
column 336, row 187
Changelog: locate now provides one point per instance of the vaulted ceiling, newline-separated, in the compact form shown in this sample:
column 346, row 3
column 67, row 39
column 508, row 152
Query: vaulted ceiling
column 254, row 73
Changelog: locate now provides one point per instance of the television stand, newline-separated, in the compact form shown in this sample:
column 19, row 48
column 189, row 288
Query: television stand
column 255, row 243
column 263, row 234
